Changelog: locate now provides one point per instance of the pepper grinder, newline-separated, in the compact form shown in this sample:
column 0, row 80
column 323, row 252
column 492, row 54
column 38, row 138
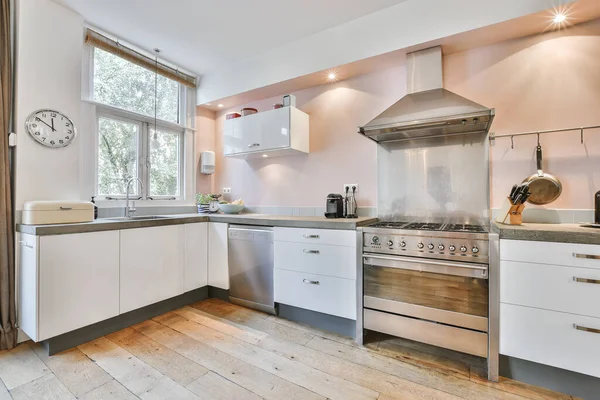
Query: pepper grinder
column 351, row 207
column 597, row 208
column 345, row 203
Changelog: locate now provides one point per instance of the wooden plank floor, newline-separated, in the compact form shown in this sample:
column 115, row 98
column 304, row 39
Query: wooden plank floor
column 217, row 350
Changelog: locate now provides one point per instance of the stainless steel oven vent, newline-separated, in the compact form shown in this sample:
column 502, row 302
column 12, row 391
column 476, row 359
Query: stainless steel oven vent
column 428, row 110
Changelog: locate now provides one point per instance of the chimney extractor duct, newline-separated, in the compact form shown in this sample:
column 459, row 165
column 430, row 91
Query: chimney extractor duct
column 428, row 110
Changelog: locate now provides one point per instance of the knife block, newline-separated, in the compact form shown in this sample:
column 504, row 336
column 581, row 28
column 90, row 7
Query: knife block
column 511, row 214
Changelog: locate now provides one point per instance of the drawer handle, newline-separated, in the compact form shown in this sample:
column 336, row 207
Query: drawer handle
column 585, row 280
column 66, row 208
column 310, row 282
column 316, row 252
column 25, row 244
column 310, row 236
column 583, row 328
column 588, row 256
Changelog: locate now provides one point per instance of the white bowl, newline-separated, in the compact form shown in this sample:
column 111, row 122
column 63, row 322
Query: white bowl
column 231, row 208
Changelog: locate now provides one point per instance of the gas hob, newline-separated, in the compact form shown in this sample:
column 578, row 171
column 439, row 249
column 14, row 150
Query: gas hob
column 449, row 241
column 431, row 226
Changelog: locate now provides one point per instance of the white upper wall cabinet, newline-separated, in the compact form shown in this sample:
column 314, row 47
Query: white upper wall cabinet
column 284, row 131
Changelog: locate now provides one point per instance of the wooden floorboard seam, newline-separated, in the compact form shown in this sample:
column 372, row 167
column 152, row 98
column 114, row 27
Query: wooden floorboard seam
column 214, row 350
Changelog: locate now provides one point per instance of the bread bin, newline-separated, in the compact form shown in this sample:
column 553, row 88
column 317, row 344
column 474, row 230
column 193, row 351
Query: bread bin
column 57, row 212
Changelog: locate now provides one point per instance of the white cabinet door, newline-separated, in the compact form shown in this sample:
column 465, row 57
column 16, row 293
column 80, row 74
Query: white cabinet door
column 195, row 270
column 568, row 254
column 551, row 338
column 275, row 129
column 78, row 281
column 28, row 286
column 242, row 135
column 316, row 236
column 218, row 267
column 325, row 294
column 151, row 265
column 338, row 261
column 551, row 287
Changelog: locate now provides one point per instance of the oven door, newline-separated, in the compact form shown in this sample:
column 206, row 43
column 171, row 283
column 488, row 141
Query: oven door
column 446, row 292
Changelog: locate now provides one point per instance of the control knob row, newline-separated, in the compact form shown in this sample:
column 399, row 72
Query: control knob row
column 430, row 246
column 441, row 247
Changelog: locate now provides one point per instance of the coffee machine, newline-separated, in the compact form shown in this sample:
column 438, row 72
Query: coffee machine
column 334, row 208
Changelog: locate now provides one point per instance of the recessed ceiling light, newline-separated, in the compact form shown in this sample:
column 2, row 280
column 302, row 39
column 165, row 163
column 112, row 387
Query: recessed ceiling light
column 219, row 105
column 559, row 18
column 332, row 76
column 265, row 156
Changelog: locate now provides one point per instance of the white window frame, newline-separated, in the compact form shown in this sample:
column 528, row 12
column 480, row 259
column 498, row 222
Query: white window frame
column 145, row 122
column 143, row 162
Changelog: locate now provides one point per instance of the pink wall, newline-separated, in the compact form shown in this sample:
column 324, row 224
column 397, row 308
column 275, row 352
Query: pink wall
column 547, row 81
column 542, row 82
column 338, row 154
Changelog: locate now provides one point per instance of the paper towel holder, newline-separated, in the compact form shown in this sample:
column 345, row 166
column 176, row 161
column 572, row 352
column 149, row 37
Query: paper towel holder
column 207, row 162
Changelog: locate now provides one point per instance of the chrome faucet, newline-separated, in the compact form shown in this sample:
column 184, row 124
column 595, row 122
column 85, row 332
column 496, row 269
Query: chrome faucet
column 131, row 210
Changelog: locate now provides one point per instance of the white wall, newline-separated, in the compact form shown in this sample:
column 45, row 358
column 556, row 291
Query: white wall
column 51, row 56
column 49, row 46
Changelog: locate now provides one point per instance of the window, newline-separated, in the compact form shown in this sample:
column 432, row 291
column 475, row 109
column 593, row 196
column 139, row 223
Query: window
column 123, row 84
column 128, row 145
column 164, row 157
column 118, row 155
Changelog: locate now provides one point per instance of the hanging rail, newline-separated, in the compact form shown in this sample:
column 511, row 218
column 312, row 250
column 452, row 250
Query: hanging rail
column 581, row 129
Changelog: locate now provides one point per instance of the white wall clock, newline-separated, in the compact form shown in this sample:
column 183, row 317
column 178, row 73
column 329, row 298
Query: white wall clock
column 51, row 128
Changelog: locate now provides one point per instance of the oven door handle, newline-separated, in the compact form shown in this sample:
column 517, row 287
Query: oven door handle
column 480, row 271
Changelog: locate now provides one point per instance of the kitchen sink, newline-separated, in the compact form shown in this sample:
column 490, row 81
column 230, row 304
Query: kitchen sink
column 139, row 218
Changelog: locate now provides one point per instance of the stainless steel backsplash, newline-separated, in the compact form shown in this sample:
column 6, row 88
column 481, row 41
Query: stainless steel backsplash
column 438, row 179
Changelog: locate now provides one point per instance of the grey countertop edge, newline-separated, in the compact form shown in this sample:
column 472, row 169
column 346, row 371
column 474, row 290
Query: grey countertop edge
column 107, row 224
column 559, row 233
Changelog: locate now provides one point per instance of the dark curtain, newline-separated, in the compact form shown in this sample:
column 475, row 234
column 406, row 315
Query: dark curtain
column 8, row 329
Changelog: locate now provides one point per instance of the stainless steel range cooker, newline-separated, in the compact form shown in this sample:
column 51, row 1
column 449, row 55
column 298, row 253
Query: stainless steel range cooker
column 430, row 282
column 432, row 278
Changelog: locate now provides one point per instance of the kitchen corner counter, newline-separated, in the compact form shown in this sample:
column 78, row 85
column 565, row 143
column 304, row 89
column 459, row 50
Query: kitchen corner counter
column 108, row 224
column 561, row 233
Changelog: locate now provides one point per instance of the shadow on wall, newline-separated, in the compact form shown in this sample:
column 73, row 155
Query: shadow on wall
column 540, row 82
column 338, row 154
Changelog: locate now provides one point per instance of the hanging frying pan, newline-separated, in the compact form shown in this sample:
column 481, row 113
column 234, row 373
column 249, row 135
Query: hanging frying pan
column 544, row 188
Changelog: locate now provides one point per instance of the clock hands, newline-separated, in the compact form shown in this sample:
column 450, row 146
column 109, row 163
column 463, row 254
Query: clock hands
column 43, row 122
column 52, row 121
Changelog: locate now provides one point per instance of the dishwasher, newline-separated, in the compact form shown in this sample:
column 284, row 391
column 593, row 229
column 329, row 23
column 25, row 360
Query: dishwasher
column 251, row 267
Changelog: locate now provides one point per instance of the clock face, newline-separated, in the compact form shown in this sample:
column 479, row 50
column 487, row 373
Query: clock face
column 51, row 128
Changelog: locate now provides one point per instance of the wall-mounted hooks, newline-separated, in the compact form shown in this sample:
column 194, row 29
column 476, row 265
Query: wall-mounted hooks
column 493, row 136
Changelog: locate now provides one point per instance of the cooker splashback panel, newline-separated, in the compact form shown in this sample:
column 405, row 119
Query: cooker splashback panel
column 437, row 179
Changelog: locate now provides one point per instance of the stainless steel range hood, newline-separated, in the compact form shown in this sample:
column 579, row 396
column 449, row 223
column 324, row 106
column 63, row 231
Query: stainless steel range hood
column 428, row 110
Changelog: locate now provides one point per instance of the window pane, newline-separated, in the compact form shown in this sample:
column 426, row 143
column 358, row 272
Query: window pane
column 117, row 156
column 165, row 160
column 120, row 83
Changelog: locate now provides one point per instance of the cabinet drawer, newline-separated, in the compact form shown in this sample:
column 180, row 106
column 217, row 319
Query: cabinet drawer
column 549, row 337
column 551, row 287
column 339, row 261
column 334, row 296
column 316, row 236
column 568, row 254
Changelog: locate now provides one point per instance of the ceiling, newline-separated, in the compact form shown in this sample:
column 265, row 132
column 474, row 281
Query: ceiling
column 202, row 36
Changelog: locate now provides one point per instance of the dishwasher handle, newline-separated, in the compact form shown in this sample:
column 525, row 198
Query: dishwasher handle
column 250, row 233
